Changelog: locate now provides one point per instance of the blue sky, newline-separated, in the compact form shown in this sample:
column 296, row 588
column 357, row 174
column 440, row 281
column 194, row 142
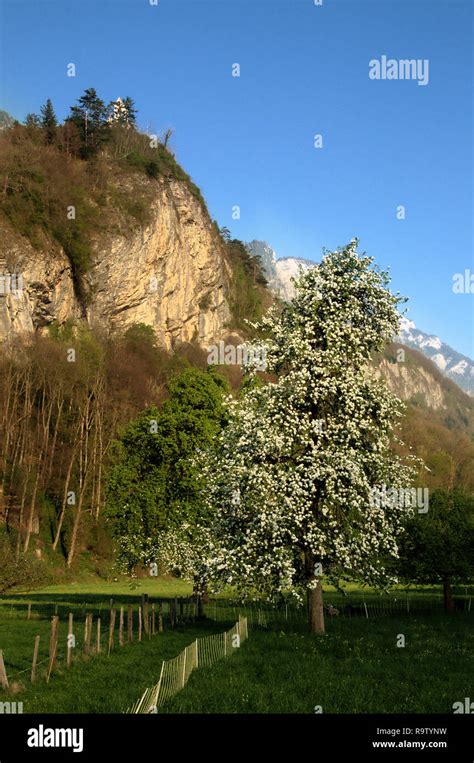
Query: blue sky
column 249, row 141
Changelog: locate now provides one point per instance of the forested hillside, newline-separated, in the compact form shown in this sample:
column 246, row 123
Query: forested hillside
column 89, row 348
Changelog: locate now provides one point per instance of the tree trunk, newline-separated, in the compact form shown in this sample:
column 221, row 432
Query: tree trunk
column 201, row 595
column 64, row 503
column 75, row 528
column 316, row 610
column 448, row 596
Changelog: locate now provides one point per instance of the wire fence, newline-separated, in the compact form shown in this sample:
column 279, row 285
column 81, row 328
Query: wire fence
column 262, row 613
column 203, row 652
column 59, row 639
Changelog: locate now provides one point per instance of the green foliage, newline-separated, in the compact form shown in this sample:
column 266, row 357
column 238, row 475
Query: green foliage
column 42, row 187
column 154, row 483
column 156, row 161
column 135, row 206
column 43, row 176
column 49, row 121
column 90, row 117
column 139, row 334
column 439, row 546
column 248, row 297
column 18, row 569
column 62, row 332
column 274, row 671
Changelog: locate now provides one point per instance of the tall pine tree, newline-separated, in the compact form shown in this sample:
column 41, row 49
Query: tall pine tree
column 90, row 117
column 49, row 122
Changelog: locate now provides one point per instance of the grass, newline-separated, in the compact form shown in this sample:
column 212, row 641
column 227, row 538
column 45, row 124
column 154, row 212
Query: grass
column 94, row 684
column 17, row 633
column 356, row 668
column 98, row 684
column 103, row 590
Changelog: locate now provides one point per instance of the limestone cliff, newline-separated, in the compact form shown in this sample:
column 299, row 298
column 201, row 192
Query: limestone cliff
column 413, row 382
column 36, row 285
column 436, row 399
column 169, row 272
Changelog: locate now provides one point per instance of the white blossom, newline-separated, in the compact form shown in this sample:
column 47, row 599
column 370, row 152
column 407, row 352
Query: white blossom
column 304, row 451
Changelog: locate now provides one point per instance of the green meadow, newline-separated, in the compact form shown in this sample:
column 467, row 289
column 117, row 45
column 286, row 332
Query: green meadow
column 391, row 654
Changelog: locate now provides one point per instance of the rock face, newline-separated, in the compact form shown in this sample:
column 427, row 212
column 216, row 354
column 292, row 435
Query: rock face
column 278, row 272
column 288, row 268
column 457, row 367
column 36, row 286
column 170, row 273
column 410, row 383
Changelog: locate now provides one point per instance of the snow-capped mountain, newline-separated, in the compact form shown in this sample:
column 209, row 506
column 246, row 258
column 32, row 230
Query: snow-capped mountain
column 288, row 268
column 267, row 257
column 278, row 272
column 457, row 367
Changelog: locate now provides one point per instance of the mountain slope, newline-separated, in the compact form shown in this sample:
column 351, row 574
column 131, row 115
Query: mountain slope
column 438, row 424
column 453, row 364
column 288, row 268
column 278, row 272
column 114, row 240
column 170, row 273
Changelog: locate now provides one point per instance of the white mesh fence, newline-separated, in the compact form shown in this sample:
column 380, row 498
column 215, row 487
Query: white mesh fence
column 204, row 652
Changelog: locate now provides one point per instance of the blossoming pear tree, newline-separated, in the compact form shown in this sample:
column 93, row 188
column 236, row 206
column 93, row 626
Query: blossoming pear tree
column 290, row 479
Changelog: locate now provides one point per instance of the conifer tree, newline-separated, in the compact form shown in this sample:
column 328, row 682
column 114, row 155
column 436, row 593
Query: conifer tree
column 90, row 117
column 49, row 122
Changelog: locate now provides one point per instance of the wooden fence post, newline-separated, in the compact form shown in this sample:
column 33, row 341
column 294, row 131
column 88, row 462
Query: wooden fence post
column 35, row 659
column 29, row 612
column 153, row 621
column 88, row 633
column 145, row 613
column 130, row 623
column 3, row 672
column 70, row 639
column 53, row 646
column 111, row 631
column 121, row 639
column 97, row 643
column 160, row 618
column 139, row 623
column 86, row 625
